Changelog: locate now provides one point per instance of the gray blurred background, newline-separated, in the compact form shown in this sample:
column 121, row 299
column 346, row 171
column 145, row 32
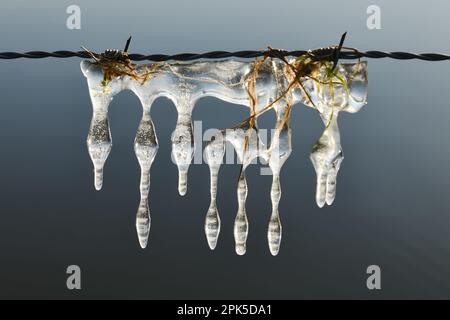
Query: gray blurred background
column 393, row 200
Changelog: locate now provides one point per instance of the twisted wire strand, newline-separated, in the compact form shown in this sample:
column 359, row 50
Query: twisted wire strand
column 247, row 54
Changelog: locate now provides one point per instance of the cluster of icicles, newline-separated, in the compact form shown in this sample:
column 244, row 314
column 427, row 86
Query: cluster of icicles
column 186, row 82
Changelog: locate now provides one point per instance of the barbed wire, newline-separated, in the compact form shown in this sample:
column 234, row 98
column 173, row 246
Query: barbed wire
column 247, row 54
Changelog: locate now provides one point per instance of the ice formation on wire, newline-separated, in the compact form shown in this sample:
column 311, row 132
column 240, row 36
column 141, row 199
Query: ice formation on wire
column 184, row 83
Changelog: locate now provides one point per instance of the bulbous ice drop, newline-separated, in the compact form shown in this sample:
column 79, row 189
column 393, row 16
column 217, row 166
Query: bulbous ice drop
column 241, row 232
column 357, row 83
column 274, row 229
column 212, row 225
column 348, row 93
column 250, row 151
column 182, row 180
column 143, row 222
column 327, row 156
column 279, row 152
column 145, row 148
column 274, row 233
column 99, row 136
column 214, row 153
column 99, row 146
column 331, row 183
column 321, row 187
column 246, row 153
column 183, row 149
column 241, row 221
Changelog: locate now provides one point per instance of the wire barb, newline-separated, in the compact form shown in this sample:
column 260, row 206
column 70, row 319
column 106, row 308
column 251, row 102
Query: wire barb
column 127, row 45
column 338, row 51
column 247, row 54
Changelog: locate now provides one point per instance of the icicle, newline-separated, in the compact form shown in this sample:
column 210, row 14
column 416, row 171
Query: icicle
column 327, row 156
column 214, row 153
column 237, row 138
column 99, row 145
column 274, row 230
column 99, row 137
column 241, row 221
column 348, row 93
column 182, row 137
column 143, row 221
column 145, row 147
column 279, row 152
column 183, row 149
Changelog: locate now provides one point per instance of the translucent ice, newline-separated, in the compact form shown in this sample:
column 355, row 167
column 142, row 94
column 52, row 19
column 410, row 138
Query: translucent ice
column 99, row 137
column 237, row 138
column 241, row 221
column 184, row 83
column 145, row 147
column 326, row 156
column 214, row 153
column 183, row 148
column 280, row 150
column 348, row 93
